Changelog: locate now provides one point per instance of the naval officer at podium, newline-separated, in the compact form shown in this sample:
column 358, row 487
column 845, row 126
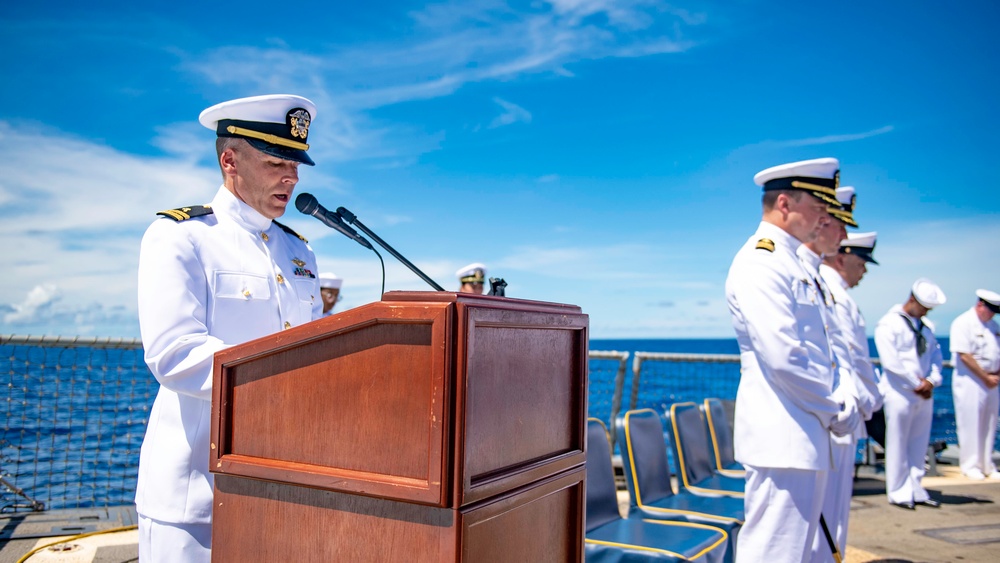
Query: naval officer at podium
column 210, row 277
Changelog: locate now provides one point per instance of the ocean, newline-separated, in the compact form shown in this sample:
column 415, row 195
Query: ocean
column 75, row 417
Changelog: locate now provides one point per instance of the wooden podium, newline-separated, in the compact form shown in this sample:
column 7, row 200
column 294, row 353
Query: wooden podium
column 430, row 426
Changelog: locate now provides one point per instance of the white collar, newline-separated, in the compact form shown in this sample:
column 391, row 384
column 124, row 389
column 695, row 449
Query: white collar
column 247, row 217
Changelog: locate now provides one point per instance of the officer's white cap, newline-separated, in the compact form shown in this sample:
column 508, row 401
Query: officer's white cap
column 475, row 272
column 991, row 298
column 330, row 281
column 927, row 293
column 276, row 124
column 861, row 245
column 845, row 211
column 819, row 177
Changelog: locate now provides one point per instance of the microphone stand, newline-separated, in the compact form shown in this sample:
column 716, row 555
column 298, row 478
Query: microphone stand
column 353, row 219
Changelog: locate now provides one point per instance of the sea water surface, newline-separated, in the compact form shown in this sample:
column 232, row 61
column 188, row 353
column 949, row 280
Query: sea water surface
column 75, row 418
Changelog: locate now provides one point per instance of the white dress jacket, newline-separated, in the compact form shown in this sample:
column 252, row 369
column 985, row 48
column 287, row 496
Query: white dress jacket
column 784, row 404
column 205, row 284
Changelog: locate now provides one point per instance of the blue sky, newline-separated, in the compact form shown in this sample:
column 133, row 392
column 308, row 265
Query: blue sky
column 593, row 152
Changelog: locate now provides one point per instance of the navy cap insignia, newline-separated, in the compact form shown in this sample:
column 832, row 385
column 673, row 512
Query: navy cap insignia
column 765, row 244
column 298, row 262
column 298, row 121
column 185, row 213
column 836, row 180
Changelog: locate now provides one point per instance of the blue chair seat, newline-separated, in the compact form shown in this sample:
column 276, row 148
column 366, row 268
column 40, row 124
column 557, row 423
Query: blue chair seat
column 691, row 448
column 693, row 508
column 641, row 539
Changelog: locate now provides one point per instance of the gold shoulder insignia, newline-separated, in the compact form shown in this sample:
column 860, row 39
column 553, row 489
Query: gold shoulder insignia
column 765, row 244
column 185, row 213
column 291, row 232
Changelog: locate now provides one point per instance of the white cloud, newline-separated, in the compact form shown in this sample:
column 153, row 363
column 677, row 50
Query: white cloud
column 451, row 44
column 831, row 139
column 513, row 113
column 40, row 298
column 74, row 216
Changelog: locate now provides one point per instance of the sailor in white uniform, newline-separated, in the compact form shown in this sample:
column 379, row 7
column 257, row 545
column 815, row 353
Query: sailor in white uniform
column 785, row 406
column 975, row 350
column 472, row 278
column 210, row 277
column 841, row 271
column 329, row 287
column 839, row 484
column 911, row 368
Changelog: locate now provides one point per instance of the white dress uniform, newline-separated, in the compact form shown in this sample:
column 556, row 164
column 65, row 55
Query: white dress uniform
column 205, row 284
column 975, row 405
column 839, row 486
column 785, row 402
column 908, row 416
column 849, row 315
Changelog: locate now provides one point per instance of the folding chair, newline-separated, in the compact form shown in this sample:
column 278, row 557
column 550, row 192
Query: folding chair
column 722, row 438
column 613, row 539
column 691, row 449
column 647, row 474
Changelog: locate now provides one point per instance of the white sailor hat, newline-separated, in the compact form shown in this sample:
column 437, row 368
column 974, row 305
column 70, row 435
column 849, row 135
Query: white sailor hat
column 927, row 293
column 819, row 177
column 473, row 273
column 329, row 280
column 276, row 124
column 860, row 244
column 845, row 211
column 990, row 298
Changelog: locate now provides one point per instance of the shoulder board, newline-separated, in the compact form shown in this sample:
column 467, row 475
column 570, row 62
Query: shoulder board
column 185, row 213
column 291, row 232
column 765, row 244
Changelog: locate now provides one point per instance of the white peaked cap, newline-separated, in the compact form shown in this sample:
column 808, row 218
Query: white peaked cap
column 276, row 124
column 816, row 168
column 988, row 296
column 927, row 293
column 476, row 270
column 330, row 281
column 266, row 109
column 860, row 240
column 819, row 177
column 845, row 194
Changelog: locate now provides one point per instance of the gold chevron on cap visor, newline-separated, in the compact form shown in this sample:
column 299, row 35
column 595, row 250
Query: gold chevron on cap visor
column 267, row 138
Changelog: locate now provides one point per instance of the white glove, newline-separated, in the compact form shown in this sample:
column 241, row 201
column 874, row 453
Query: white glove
column 847, row 419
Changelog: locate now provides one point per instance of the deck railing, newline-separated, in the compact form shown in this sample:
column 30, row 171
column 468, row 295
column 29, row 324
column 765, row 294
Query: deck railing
column 75, row 411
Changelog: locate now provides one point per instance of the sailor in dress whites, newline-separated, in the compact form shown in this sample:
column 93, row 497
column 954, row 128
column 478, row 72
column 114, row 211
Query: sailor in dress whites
column 911, row 369
column 210, row 277
column 841, row 271
column 975, row 349
column 472, row 278
column 329, row 288
column 785, row 406
column 846, row 385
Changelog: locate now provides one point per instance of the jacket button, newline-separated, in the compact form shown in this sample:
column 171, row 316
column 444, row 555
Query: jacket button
column 281, row 278
column 264, row 236
column 288, row 324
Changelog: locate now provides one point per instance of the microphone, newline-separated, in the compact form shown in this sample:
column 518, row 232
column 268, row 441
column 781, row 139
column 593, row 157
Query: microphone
column 343, row 214
column 307, row 204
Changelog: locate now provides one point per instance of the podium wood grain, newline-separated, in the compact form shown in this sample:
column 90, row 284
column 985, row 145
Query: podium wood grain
column 443, row 424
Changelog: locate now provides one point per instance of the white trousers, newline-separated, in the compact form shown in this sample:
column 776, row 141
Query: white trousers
column 782, row 514
column 976, row 422
column 167, row 542
column 907, row 435
column 837, row 500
